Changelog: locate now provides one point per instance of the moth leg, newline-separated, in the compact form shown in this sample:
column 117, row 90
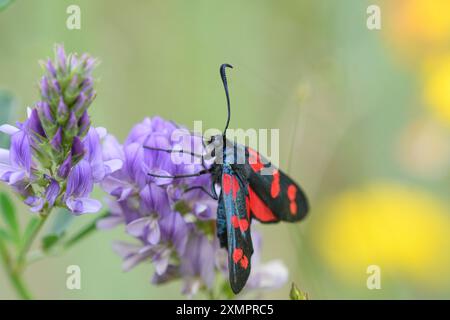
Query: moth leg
column 213, row 195
column 201, row 172
column 180, row 151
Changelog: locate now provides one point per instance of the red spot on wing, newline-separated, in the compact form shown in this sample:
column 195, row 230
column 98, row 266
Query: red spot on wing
column 237, row 255
column 292, row 194
column 293, row 208
column 240, row 257
column 254, row 160
column 239, row 223
column 244, row 262
column 235, row 221
column 243, row 224
column 235, row 187
column 259, row 209
column 275, row 187
column 226, row 183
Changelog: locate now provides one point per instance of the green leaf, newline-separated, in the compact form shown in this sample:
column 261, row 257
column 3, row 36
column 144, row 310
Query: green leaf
column 31, row 227
column 8, row 213
column 5, row 235
column 61, row 222
column 5, row 3
column 85, row 231
column 49, row 241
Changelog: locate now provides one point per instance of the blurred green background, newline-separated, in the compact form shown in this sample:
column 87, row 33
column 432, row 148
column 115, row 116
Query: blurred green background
column 364, row 119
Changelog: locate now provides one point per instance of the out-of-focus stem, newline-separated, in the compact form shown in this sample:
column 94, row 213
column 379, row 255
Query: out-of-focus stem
column 21, row 257
column 14, row 277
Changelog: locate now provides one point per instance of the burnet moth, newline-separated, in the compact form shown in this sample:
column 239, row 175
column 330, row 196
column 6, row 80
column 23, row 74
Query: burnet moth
column 251, row 188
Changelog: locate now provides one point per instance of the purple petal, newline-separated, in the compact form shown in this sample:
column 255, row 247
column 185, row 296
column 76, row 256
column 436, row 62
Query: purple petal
column 57, row 140
column 133, row 166
column 16, row 176
column 160, row 180
column 34, row 124
column 109, row 222
column 44, row 110
column 171, row 273
column 199, row 258
column 203, row 211
column 50, row 68
column 116, row 187
column 153, row 232
column 61, row 57
column 113, row 165
column 90, row 64
column 20, row 151
column 84, row 123
column 79, row 181
column 111, row 148
column 154, row 199
column 191, row 286
column 79, row 103
column 56, row 87
column 94, row 154
column 72, row 123
column 63, row 110
column 125, row 249
column 73, row 85
column 139, row 132
column 137, row 227
column 52, row 192
column 8, row 129
column 83, row 205
column 269, row 276
column 77, row 148
column 161, row 260
column 132, row 254
column 65, row 167
column 4, row 156
column 44, row 88
column 36, row 203
column 174, row 228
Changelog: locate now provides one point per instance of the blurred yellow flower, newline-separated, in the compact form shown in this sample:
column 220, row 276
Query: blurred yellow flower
column 418, row 26
column 437, row 86
column 404, row 231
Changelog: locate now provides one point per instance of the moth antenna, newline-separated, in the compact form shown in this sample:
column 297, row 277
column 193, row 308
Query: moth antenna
column 225, row 86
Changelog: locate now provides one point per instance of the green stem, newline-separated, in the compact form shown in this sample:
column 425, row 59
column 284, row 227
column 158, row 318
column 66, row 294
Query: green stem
column 15, row 278
column 21, row 257
column 86, row 230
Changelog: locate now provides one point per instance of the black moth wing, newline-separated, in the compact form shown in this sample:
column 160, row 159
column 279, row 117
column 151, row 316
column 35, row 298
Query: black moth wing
column 273, row 196
column 233, row 228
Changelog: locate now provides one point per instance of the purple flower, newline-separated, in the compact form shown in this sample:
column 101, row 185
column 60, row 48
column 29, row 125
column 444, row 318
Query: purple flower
column 157, row 213
column 198, row 264
column 55, row 156
column 173, row 229
column 15, row 163
column 265, row 276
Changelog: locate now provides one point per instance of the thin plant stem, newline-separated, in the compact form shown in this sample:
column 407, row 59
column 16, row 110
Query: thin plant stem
column 21, row 257
column 14, row 277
